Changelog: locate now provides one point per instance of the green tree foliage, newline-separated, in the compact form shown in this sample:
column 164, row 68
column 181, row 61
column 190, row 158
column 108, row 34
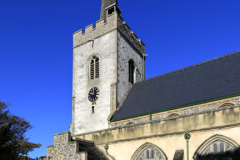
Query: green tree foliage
column 13, row 143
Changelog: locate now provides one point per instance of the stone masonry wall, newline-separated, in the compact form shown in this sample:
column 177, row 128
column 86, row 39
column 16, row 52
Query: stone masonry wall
column 114, row 21
column 162, row 116
column 125, row 52
column 64, row 149
column 91, row 33
column 104, row 47
column 102, row 41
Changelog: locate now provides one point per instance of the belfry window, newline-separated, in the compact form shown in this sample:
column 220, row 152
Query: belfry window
column 94, row 68
column 131, row 71
column 110, row 11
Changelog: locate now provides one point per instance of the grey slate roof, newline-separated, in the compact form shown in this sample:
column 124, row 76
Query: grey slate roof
column 209, row 80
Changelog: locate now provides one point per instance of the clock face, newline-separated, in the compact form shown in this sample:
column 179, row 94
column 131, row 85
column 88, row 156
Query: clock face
column 93, row 94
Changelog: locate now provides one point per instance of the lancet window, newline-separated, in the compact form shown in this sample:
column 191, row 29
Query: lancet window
column 131, row 71
column 94, row 67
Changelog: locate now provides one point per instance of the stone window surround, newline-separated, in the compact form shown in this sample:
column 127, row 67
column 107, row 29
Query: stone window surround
column 89, row 66
column 135, row 70
column 146, row 146
column 213, row 140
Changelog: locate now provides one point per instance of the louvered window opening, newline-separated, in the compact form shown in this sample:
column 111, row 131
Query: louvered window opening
column 94, row 68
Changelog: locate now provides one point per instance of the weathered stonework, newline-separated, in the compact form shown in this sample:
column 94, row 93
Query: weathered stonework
column 91, row 33
column 131, row 36
column 114, row 43
column 208, row 107
column 64, row 148
column 160, row 134
column 114, row 21
column 168, row 134
column 104, row 47
column 123, row 69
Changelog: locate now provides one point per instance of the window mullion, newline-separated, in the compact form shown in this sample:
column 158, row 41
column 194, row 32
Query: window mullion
column 94, row 73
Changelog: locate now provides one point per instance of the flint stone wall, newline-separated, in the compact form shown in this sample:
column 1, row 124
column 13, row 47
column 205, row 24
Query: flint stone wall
column 64, row 148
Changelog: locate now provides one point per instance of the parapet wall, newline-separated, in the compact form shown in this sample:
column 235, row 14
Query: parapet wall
column 181, row 112
column 114, row 21
column 64, row 148
column 91, row 33
column 218, row 120
column 131, row 37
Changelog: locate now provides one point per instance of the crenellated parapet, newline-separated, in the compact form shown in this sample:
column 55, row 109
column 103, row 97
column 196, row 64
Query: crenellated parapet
column 91, row 33
column 113, row 21
column 131, row 36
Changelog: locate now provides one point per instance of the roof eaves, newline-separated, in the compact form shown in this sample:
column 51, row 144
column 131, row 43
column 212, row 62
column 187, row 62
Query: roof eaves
column 182, row 106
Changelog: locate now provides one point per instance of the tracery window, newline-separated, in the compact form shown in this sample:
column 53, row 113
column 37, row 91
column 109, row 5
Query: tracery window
column 94, row 67
column 221, row 147
column 215, row 150
column 150, row 154
column 214, row 145
column 217, row 147
column 149, row 151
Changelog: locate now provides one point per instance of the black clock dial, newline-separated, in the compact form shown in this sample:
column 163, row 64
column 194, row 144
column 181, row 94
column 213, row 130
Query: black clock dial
column 93, row 94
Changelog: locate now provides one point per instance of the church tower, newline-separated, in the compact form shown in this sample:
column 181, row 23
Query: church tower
column 107, row 59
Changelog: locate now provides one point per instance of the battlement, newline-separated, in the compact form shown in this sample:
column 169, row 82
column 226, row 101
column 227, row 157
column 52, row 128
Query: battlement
column 131, row 37
column 113, row 21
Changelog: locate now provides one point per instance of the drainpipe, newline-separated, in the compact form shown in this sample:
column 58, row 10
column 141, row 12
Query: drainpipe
column 144, row 55
column 150, row 117
column 106, row 148
column 187, row 136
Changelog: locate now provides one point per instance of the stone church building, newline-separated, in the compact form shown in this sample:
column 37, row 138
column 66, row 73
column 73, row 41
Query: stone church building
column 118, row 115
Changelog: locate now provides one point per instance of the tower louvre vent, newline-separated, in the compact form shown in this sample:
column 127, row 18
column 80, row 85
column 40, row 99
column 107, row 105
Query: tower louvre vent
column 105, row 4
column 94, row 68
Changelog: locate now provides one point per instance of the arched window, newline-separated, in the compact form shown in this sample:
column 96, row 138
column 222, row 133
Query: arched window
column 131, row 71
column 130, row 123
column 173, row 115
column 149, row 151
column 214, row 145
column 226, row 105
column 94, row 67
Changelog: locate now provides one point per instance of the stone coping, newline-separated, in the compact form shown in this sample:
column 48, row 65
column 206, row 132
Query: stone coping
column 154, row 121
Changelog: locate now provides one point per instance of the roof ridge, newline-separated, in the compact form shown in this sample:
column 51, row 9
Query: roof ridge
column 191, row 66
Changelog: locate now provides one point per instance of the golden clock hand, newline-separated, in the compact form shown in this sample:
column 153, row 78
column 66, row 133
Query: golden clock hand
column 91, row 92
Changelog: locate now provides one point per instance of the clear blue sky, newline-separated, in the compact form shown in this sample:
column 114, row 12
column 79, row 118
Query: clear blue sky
column 36, row 49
